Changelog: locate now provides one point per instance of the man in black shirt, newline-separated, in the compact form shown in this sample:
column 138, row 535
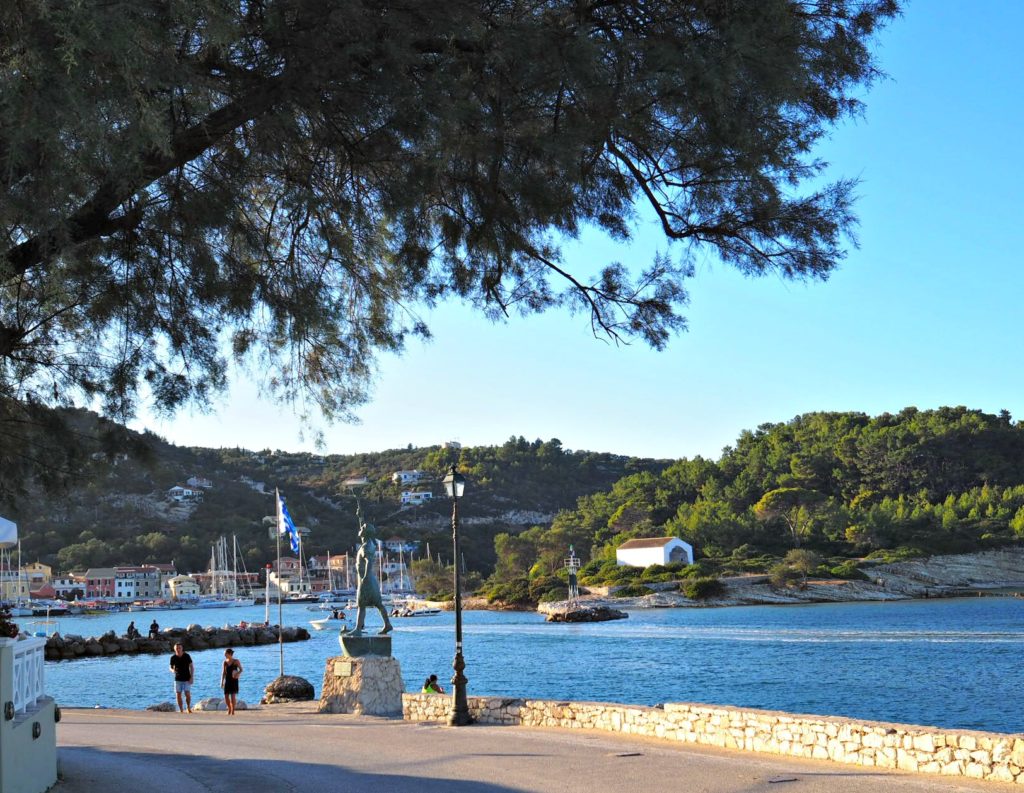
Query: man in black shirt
column 184, row 673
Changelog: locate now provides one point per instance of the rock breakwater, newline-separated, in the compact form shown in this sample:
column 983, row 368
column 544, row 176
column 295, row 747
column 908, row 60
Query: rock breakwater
column 194, row 637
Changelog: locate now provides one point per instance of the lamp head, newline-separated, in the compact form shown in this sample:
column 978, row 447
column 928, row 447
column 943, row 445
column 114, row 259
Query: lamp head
column 454, row 484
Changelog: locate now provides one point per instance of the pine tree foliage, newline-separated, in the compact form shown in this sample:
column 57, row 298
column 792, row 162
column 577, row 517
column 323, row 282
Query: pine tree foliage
column 842, row 485
column 299, row 175
column 287, row 182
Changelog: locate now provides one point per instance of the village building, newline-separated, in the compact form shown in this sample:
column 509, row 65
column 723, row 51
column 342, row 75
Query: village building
column 181, row 587
column 399, row 545
column 140, row 582
column 416, row 497
column 70, row 587
column 13, row 583
column 183, row 493
column 38, row 574
column 407, row 477
column 99, row 582
column 653, row 550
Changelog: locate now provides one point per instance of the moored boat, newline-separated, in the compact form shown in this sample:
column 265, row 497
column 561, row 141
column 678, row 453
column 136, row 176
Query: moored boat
column 335, row 618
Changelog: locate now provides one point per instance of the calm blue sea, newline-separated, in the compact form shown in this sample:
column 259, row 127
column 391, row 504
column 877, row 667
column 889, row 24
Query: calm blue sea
column 950, row 663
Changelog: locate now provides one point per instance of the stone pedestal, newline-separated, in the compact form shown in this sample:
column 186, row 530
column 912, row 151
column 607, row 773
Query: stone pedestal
column 369, row 685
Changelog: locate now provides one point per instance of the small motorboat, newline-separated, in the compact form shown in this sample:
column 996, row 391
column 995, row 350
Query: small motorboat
column 335, row 618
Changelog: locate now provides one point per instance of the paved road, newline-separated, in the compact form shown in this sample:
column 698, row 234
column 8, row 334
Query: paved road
column 291, row 748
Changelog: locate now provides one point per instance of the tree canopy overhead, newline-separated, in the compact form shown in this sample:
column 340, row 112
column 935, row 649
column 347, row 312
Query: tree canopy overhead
column 287, row 181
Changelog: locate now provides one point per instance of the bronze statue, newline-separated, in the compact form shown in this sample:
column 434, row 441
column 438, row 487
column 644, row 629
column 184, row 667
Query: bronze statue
column 367, row 588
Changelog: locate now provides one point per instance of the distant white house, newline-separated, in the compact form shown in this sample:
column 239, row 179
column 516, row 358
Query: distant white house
column 184, row 493
column 452, row 445
column 407, row 477
column 653, row 550
column 399, row 545
column 199, row 482
column 414, row 497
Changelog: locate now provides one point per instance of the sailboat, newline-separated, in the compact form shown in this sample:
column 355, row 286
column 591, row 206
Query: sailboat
column 20, row 608
column 223, row 582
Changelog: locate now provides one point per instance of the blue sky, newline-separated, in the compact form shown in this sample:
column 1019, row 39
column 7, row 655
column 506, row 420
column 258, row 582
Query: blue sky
column 926, row 311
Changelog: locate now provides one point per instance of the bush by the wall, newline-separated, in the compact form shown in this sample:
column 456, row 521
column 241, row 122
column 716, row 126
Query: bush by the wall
column 702, row 588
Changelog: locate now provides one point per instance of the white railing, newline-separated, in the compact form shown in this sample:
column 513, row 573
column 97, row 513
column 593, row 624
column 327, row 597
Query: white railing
column 28, row 673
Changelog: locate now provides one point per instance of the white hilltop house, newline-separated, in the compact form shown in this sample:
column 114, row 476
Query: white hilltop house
column 184, row 493
column 408, row 477
column 653, row 550
column 416, row 497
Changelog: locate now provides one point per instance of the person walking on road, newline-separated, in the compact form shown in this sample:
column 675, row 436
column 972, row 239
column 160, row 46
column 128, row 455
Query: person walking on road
column 184, row 673
column 230, row 672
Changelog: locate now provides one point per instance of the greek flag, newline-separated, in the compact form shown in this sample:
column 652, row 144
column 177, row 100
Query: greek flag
column 285, row 525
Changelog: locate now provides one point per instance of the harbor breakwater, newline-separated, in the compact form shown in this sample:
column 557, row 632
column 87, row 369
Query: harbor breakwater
column 194, row 637
column 996, row 757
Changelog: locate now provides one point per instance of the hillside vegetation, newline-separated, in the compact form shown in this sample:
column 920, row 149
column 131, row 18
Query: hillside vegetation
column 820, row 489
column 115, row 510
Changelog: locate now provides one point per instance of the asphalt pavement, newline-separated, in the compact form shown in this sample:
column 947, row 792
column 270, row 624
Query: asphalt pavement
column 292, row 748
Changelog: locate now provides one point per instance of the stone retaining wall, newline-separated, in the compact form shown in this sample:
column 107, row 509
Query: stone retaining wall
column 930, row 750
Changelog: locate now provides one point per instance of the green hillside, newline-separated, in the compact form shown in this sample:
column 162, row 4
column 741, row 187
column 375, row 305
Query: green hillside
column 115, row 511
column 834, row 485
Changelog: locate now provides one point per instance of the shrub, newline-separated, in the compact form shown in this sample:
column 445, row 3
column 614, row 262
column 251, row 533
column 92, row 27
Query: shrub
column 654, row 572
column 516, row 593
column 848, row 570
column 620, row 575
column 900, row 554
column 702, row 568
column 592, row 568
column 548, row 583
column 552, row 595
column 634, row 590
column 782, row 575
column 702, row 588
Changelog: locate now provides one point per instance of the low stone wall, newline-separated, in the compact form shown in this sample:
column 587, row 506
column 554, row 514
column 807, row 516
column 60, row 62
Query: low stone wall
column 930, row 750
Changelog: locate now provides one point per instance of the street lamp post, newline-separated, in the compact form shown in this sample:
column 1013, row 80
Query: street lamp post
column 455, row 485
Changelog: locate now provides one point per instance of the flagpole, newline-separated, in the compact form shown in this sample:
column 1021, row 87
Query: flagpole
column 280, row 629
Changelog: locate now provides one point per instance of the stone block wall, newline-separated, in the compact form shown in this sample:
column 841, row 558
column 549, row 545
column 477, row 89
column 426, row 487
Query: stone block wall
column 978, row 755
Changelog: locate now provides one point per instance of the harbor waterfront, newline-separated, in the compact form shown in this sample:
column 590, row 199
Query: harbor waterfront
column 949, row 663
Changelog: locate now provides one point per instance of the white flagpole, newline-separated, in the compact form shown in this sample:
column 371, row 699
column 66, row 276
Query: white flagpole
column 280, row 623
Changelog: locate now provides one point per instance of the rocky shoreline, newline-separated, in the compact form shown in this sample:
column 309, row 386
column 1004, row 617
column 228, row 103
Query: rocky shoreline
column 194, row 637
column 955, row 575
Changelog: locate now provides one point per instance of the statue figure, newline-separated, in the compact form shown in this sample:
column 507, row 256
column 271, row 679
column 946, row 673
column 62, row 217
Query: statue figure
column 367, row 588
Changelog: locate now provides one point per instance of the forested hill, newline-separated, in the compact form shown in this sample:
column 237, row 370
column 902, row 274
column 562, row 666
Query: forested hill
column 116, row 510
column 840, row 484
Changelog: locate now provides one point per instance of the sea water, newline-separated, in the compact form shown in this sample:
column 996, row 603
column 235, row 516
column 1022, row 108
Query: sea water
column 949, row 663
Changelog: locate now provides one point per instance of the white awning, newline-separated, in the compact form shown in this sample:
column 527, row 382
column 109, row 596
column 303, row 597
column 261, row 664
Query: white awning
column 8, row 532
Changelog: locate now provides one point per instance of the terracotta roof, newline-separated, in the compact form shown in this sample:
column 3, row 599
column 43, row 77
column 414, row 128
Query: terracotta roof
column 648, row 542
